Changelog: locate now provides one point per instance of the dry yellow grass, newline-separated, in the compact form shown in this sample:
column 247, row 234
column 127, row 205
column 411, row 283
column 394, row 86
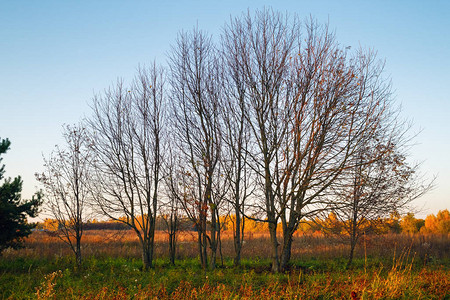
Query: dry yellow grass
column 124, row 243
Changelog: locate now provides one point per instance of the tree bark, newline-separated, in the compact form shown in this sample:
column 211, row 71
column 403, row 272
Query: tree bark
column 353, row 240
column 146, row 258
column 173, row 227
column 78, row 252
column 237, row 238
column 213, row 240
column 286, row 252
column 274, row 247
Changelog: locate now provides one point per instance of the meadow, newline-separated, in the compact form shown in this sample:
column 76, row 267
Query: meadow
column 390, row 266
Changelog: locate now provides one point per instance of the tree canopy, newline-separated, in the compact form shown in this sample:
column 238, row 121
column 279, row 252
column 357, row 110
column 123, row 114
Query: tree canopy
column 13, row 210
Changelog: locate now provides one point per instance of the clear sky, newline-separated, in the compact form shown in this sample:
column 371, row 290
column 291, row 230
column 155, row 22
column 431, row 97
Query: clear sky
column 54, row 55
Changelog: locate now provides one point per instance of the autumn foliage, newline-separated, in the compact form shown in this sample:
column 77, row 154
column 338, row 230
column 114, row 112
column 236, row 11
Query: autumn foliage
column 432, row 224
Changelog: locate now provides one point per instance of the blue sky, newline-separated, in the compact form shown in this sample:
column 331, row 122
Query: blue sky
column 54, row 55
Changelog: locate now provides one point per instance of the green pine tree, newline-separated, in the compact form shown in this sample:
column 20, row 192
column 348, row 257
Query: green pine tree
column 13, row 210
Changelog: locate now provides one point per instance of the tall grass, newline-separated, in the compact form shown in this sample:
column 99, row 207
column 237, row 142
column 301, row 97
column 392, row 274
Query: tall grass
column 398, row 282
column 388, row 266
column 124, row 243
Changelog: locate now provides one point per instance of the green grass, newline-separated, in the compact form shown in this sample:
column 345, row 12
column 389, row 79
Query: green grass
column 106, row 278
column 390, row 267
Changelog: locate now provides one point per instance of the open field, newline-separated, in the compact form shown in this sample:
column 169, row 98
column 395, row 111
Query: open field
column 388, row 266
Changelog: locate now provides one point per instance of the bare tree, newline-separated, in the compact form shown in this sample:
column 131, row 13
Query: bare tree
column 171, row 211
column 259, row 51
column 380, row 183
column 196, row 90
column 171, row 219
column 339, row 102
column 66, row 182
column 309, row 106
column 128, row 127
column 236, row 147
column 237, row 175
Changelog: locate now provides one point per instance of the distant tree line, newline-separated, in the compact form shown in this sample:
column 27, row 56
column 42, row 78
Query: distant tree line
column 408, row 224
column 273, row 122
column 435, row 224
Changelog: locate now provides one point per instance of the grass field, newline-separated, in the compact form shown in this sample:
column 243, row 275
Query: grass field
column 386, row 267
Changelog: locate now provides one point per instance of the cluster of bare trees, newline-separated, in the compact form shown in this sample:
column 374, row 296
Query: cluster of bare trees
column 275, row 122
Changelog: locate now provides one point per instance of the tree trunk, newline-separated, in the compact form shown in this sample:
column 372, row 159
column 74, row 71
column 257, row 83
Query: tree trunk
column 352, row 250
column 204, row 250
column 274, row 247
column 200, row 247
column 173, row 227
column 237, row 212
column 78, row 252
column 353, row 234
column 148, row 242
column 237, row 244
column 172, row 250
column 212, row 262
column 146, row 258
column 286, row 252
column 202, row 241
column 237, row 230
column 219, row 244
column 213, row 240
